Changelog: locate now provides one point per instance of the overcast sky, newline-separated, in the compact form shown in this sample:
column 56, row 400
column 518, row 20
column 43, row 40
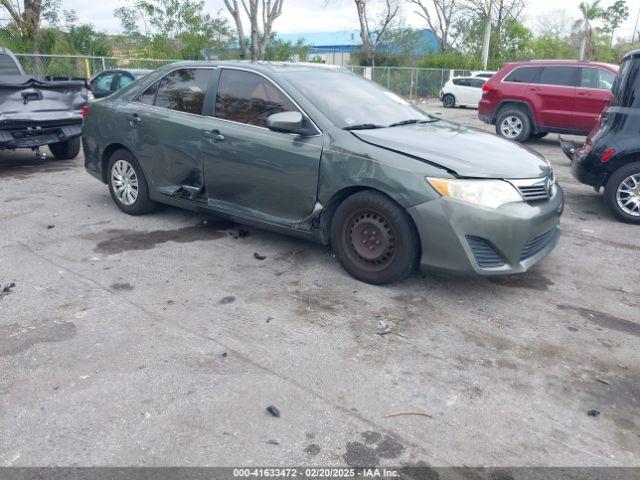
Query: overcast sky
column 312, row 16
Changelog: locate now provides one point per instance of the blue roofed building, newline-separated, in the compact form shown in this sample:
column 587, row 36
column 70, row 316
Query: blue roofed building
column 335, row 48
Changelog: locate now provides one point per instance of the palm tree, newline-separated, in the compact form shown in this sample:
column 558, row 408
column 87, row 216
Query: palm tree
column 590, row 11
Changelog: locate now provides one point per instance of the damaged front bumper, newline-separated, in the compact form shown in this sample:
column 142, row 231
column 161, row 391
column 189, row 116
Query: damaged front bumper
column 459, row 237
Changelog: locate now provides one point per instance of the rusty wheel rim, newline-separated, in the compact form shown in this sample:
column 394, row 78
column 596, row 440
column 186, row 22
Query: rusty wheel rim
column 371, row 240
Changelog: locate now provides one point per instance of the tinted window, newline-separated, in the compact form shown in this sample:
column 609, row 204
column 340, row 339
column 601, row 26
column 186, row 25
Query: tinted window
column 184, row 90
column 462, row 82
column 8, row 66
column 627, row 85
column 485, row 75
column 103, row 82
column 562, row 76
column 246, row 97
column 523, row 75
column 149, row 95
column 477, row 83
column 123, row 81
column 596, row 78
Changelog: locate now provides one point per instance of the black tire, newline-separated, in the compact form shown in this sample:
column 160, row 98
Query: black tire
column 143, row 203
column 66, row 150
column 374, row 239
column 539, row 135
column 611, row 192
column 448, row 101
column 525, row 124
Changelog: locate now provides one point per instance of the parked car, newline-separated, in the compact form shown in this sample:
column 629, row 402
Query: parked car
column 610, row 158
column 38, row 111
column 532, row 99
column 108, row 81
column 462, row 92
column 319, row 152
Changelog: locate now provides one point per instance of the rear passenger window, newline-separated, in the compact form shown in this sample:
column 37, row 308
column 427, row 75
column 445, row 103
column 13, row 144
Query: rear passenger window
column 476, row 83
column 246, row 97
column 149, row 95
column 184, row 90
column 523, row 75
column 461, row 82
column 561, row 76
column 596, row 78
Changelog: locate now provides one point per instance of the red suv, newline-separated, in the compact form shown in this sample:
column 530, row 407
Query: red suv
column 531, row 99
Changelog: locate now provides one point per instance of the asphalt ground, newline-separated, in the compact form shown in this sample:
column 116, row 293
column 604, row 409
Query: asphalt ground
column 161, row 340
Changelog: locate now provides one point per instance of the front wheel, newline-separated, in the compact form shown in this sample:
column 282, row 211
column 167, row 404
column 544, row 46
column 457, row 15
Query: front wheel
column 374, row 239
column 622, row 193
column 66, row 150
column 128, row 185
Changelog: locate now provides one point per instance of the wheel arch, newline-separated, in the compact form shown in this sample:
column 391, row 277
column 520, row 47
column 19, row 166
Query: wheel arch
column 324, row 221
column 623, row 161
column 106, row 155
column 521, row 105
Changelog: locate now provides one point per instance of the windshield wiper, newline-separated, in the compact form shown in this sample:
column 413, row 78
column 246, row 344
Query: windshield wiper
column 364, row 126
column 411, row 121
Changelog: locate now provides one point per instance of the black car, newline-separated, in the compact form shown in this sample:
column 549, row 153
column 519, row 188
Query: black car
column 610, row 158
column 109, row 81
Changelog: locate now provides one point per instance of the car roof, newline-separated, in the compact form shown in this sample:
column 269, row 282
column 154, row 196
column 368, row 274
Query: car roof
column 470, row 77
column 259, row 66
column 562, row 63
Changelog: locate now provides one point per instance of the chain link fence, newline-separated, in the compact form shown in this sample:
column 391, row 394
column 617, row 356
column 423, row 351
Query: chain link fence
column 412, row 83
column 81, row 66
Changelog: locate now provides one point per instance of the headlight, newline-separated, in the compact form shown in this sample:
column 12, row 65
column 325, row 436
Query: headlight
column 486, row 193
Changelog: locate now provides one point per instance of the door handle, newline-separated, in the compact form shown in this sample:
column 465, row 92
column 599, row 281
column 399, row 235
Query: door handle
column 133, row 118
column 214, row 135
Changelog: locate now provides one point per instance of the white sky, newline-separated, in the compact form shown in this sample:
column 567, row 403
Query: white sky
column 313, row 16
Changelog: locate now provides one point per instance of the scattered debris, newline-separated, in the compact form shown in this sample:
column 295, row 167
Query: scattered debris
column 273, row 411
column 383, row 328
column 239, row 233
column 402, row 414
column 170, row 302
column 572, row 329
column 273, row 442
column 7, row 289
column 593, row 413
column 257, row 256
column 49, row 227
column 223, row 355
column 312, row 449
column 602, row 380
column 269, row 319
column 227, row 300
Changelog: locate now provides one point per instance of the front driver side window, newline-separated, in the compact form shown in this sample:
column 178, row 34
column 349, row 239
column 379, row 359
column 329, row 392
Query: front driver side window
column 246, row 97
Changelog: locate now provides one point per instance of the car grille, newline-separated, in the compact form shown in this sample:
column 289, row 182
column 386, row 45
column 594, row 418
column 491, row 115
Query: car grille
column 485, row 255
column 536, row 244
column 535, row 189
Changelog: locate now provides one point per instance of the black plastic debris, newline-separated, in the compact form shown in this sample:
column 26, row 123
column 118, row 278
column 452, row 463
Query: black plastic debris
column 223, row 355
column 239, row 233
column 273, row 442
column 273, row 411
column 49, row 227
column 593, row 413
column 257, row 256
column 269, row 319
column 8, row 288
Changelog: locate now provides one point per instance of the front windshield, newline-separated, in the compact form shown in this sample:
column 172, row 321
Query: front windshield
column 349, row 100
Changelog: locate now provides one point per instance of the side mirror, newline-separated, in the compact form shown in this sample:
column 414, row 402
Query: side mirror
column 288, row 122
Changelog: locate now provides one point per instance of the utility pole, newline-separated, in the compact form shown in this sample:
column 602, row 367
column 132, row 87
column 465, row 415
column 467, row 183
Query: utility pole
column 635, row 29
column 487, row 37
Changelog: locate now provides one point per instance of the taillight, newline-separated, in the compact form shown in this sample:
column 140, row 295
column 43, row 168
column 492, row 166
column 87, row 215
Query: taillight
column 486, row 87
column 607, row 155
column 85, row 111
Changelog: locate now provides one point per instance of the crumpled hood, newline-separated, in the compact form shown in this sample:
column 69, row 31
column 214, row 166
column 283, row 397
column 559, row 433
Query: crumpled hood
column 467, row 151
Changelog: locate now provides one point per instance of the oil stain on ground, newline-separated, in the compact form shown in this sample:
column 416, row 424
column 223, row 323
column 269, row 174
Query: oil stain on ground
column 126, row 240
column 15, row 338
column 377, row 447
column 605, row 320
column 529, row 280
column 21, row 169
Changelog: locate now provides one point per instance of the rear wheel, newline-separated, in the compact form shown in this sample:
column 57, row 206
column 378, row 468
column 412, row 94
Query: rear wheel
column 128, row 185
column 449, row 101
column 374, row 239
column 622, row 193
column 66, row 150
column 513, row 124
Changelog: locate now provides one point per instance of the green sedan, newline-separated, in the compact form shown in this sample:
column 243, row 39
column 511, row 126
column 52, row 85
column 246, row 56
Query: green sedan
column 318, row 152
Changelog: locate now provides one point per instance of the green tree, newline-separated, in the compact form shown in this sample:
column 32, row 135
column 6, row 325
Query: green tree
column 174, row 27
column 279, row 50
column 590, row 12
column 614, row 16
